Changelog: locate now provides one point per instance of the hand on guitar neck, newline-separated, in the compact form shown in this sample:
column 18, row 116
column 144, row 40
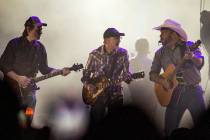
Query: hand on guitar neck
column 24, row 81
column 188, row 55
column 65, row 71
column 191, row 56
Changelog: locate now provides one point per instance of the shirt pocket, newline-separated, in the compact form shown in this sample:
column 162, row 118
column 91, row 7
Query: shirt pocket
column 20, row 57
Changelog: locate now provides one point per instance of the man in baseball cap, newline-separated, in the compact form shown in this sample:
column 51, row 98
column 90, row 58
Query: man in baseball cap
column 112, row 32
column 33, row 25
column 23, row 57
column 112, row 39
column 35, row 21
column 111, row 61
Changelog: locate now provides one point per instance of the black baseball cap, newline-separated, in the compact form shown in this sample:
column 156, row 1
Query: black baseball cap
column 34, row 21
column 112, row 32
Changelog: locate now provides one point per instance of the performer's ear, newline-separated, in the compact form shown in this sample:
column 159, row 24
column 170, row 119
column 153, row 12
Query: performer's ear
column 105, row 40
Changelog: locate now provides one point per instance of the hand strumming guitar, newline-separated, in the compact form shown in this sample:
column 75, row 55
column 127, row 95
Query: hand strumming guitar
column 90, row 87
column 164, row 83
column 23, row 81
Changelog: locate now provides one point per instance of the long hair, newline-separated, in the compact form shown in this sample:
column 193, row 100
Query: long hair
column 25, row 32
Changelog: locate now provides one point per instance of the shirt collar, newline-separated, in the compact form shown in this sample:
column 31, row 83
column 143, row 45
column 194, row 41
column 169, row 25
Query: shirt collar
column 103, row 51
column 26, row 42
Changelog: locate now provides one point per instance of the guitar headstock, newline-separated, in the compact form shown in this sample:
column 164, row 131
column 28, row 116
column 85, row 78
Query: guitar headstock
column 138, row 75
column 198, row 43
column 76, row 67
column 193, row 46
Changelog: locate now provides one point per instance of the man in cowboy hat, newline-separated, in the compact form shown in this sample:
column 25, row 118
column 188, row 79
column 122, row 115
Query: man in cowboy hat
column 188, row 93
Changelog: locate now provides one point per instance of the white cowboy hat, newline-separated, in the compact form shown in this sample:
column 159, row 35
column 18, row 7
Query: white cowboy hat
column 173, row 25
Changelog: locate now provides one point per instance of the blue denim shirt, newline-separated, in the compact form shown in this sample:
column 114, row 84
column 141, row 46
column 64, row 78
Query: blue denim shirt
column 165, row 56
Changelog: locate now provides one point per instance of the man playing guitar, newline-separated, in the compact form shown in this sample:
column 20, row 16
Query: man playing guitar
column 22, row 59
column 188, row 93
column 110, row 61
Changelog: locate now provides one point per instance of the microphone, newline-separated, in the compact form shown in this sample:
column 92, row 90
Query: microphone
column 159, row 42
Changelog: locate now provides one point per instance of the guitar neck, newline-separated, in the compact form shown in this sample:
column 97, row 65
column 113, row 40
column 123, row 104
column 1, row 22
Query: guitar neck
column 49, row 75
column 137, row 75
column 75, row 67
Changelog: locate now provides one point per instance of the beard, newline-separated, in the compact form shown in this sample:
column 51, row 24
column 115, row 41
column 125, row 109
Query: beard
column 166, row 41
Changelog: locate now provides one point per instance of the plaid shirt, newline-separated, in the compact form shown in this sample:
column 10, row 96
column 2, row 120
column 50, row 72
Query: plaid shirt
column 100, row 63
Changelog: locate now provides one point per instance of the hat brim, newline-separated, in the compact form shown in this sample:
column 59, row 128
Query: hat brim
column 114, row 35
column 41, row 24
column 121, row 34
column 179, row 31
column 161, row 27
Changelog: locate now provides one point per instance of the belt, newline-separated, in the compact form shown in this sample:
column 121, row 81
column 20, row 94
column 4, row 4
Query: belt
column 190, row 86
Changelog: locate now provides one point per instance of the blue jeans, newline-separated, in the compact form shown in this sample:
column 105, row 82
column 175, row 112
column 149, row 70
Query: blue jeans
column 184, row 97
column 28, row 100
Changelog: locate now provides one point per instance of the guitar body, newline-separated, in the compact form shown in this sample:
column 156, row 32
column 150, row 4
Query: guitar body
column 89, row 97
column 17, row 89
column 163, row 95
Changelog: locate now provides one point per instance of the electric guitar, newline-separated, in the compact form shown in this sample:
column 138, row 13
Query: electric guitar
column 89, row 97
column 32, row 86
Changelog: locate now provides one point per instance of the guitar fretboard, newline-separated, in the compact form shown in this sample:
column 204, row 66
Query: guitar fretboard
column 137, row 75
column 49, row 75
column 75, row 67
